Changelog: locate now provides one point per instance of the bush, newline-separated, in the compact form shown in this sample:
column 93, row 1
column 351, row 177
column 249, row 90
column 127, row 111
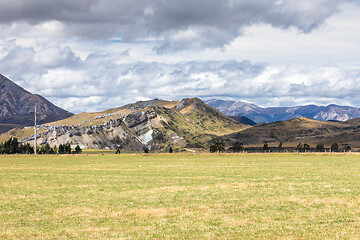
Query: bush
column 266, row 147
column 146, row 150
column 306, row 147
column 347, row 148
column 218, row 146
column 320, row 147
column 237, row 147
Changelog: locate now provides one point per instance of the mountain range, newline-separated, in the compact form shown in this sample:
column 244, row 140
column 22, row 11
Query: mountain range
column 159, row 124
column 17, row 107
column 272, row 114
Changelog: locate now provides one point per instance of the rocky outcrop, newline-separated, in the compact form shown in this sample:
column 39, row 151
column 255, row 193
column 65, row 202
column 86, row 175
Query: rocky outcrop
column 132, row 132
column 134, row 119
column 73, row 130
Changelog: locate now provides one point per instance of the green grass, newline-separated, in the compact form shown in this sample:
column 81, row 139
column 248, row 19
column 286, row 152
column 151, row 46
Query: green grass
column 260, row 196
column 97, row 151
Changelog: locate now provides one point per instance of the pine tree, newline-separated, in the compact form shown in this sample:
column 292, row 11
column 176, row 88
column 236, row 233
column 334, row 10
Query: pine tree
column 61, row 149
column 78, row 149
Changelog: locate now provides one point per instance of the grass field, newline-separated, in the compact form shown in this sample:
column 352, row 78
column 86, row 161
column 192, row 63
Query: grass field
column 260, row 196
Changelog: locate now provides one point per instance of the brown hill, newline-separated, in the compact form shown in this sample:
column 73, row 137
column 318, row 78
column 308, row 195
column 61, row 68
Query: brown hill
column 300, row 130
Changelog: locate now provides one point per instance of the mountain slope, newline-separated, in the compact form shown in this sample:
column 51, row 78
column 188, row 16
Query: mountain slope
column 301, row 130
column 154, row 124
column 244, row 120
column 272, row 114
column 17, row 106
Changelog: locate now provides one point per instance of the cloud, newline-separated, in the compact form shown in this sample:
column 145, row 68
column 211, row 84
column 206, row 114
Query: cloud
column 19, row 61
column 177, row 25
column 101, row 81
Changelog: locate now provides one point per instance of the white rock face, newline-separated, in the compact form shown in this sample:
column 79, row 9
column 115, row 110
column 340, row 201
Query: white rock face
column 332, row 115
column 146, row 138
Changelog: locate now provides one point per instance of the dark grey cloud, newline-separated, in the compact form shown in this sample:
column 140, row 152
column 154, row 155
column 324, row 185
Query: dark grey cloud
column 181, row 24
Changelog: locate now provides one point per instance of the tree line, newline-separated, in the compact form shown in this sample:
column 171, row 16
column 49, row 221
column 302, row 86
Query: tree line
column 219, row 146
column 13, row 146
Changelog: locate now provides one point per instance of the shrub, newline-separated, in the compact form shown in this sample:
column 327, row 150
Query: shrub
column 146, row 150
column 320, row 147
column 266, row 147
column 218, row 146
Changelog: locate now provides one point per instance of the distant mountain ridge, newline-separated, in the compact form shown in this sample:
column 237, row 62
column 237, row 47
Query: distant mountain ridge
column 272, row 114
column 17, row 106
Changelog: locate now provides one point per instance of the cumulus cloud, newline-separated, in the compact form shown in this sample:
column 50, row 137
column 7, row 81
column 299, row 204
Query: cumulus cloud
column 178, row 25
column 101, row 81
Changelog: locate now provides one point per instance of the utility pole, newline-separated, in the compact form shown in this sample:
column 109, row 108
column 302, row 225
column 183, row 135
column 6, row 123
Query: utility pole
column 35, row 132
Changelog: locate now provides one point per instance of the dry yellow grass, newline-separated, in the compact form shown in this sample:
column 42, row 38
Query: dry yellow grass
column 181, row 196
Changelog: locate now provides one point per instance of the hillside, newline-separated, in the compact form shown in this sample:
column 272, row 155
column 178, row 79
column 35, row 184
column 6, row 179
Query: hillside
column 153, row 124
column 273, row 114
column 244, row 120
column 301, row 130
column 17, row 106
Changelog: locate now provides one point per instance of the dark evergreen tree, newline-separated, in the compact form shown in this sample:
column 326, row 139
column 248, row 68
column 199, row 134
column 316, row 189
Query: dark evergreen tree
column 61, row 149
column 27, row 149
column 14, row 146
column 266, row 147
column 68, row 148
column 334, row 147
column 55, row 150
column 78, row 149
column 46, row 148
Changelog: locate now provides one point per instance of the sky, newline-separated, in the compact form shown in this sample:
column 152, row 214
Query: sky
column 92, row 55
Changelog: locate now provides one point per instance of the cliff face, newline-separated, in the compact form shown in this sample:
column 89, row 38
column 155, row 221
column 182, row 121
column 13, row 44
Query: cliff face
column 132, row 132
column 17, row 106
